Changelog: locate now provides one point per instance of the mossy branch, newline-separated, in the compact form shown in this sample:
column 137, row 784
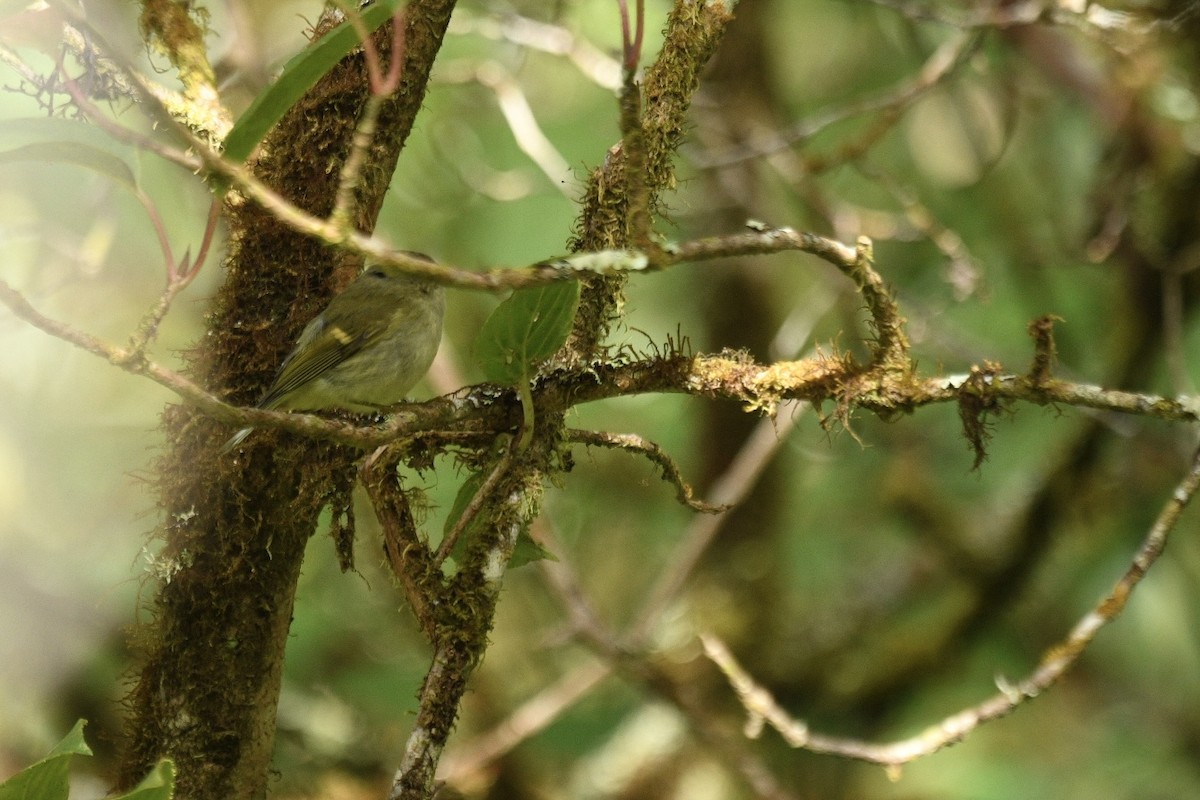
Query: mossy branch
column 485, row 411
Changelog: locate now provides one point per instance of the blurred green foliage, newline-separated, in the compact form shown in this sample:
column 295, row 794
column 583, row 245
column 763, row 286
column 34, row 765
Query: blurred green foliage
column 872, row 581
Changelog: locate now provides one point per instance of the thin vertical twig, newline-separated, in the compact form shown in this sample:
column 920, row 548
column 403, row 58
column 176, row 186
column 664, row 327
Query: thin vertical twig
column 382, row 87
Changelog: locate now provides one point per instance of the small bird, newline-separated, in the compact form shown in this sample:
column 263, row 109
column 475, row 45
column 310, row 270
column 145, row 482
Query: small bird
column 370, row 345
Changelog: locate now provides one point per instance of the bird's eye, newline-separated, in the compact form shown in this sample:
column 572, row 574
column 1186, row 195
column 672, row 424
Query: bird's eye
column 377, row 273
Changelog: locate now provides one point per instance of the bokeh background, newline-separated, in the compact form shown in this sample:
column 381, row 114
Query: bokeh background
column 870, row 578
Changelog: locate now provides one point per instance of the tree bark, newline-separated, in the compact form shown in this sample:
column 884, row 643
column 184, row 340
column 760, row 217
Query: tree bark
column 235, row 527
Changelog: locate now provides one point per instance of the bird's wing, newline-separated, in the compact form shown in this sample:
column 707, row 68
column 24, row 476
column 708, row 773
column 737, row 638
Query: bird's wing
column 320, row 348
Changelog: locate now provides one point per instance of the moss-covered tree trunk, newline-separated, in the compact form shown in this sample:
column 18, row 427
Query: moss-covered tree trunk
column 236, row 527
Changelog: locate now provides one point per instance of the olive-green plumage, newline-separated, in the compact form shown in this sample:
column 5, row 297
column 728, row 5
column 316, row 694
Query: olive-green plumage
column 370, row 345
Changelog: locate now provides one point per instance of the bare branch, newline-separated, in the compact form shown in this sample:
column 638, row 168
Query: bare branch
column 466, row 762
column 129, row 360
column 730, row 490
column 527, row 133
column 762, row 708
column 594, row 63
column 635, row 665
column 382, row 87
column 179, row 276
column 713, row 376
column 636, row 444
column 407, row 553
column 889, row 105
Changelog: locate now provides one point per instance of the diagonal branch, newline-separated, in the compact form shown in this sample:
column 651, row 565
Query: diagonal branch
column 407, row 553
column 465, row 614
column 762, row 708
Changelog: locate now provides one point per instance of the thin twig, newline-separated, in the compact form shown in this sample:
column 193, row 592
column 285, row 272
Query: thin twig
column 762, row 707
column 591, row 61
column 17, row 64
column 730, row 489
column 179, row 276
column 890, row 104
column 125, row 359
column 634, row 664
column 380, row 84
column 631, row 40
column 341, row 217
column 382, row 87
column 526, row 131
column 465, row 762
column 473, row 508
column 633, row 443
column 962, row 273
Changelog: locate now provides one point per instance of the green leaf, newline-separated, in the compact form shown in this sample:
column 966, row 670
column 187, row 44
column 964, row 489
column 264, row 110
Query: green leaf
column 465, row 492
column 524, row 330
column 298, row 76
column 526, row 549
column 47, row 779
column 76, row 153
column 158, row 785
